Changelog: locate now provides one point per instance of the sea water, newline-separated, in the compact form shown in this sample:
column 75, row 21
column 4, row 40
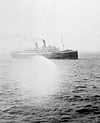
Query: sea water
column 39, row 90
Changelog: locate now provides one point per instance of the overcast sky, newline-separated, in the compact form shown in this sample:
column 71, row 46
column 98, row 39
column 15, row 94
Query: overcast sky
column 78, row 21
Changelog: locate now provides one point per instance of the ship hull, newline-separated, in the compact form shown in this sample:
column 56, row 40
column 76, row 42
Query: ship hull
column 58, row 55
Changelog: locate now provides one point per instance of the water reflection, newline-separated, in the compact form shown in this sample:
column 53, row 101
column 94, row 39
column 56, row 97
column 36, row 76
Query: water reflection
column 36, row 77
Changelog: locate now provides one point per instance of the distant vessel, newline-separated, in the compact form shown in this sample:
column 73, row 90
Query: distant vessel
column 49, row 52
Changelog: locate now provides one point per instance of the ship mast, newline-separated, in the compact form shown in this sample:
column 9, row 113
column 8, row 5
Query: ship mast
column 20, row 45
column 62, row 42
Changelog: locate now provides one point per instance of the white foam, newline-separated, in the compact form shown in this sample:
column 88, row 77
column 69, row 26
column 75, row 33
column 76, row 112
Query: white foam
column 37, row 76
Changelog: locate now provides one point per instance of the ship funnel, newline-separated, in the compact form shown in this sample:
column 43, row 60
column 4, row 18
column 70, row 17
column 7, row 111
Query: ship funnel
column 44, row 44
column 36, row 44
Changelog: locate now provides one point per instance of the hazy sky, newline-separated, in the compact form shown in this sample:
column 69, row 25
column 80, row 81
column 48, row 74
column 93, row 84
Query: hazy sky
column 78, row 21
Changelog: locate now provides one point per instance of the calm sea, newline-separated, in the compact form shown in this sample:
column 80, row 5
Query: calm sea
column 39, row 90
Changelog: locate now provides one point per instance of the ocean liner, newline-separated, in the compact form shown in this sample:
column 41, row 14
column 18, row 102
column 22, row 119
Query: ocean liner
column 49, row 52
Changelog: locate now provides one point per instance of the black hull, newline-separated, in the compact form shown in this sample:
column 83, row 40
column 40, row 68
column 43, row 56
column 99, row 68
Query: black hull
column 58, row 55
